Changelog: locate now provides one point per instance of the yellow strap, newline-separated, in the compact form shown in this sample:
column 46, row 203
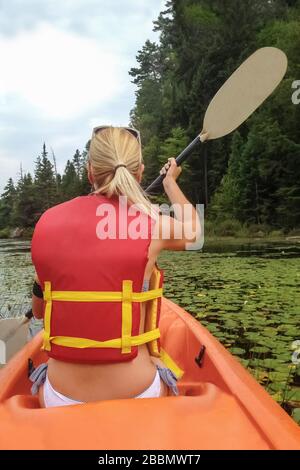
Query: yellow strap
column 168, row 361
column 81, row 296
column 47, row 316
column 126, row 297
column 145, row 296
column 126, row 316
column 83, row 343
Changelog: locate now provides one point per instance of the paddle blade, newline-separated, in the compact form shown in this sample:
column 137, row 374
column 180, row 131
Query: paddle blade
column 13, row 336
column 246, row 89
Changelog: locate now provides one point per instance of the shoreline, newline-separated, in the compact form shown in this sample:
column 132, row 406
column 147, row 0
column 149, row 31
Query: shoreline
column 212, row 239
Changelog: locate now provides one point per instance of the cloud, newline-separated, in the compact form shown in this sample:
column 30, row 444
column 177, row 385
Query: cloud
column 64, row 69
column 58, row 73
column 94, row 18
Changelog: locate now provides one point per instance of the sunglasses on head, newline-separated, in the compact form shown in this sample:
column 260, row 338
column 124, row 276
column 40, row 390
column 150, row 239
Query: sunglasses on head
column 132, row 131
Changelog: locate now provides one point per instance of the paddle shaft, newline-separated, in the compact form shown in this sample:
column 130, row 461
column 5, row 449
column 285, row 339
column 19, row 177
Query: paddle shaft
column 10, row 334
column 179, row 160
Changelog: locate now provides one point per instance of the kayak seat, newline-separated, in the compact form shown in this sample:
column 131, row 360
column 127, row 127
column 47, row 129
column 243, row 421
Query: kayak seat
column 207, row 392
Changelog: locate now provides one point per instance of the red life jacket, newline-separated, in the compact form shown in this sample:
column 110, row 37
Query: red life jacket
column 92, row 287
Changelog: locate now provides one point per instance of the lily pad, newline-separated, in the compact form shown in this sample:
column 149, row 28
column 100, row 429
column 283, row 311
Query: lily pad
column 296, row 415
column 237, row 351
column 260, row 349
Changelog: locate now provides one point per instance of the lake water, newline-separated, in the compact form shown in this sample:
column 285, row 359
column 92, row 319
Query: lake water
column 245, row 292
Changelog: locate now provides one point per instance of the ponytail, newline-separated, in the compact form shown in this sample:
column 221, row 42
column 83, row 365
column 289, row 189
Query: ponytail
column 116, row 157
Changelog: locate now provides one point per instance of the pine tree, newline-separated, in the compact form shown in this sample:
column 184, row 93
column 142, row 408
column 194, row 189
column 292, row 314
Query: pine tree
column 77, row 163
column 151, row 162
column 172, row 147
column 70, row 181
column 25, row 213
column 85, row 185
column 7, row 202
column 44, row 181
column 226, row 201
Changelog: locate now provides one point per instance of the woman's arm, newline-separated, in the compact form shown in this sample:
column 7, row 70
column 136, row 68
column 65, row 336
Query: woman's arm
column 176, row 233
column 37, row 303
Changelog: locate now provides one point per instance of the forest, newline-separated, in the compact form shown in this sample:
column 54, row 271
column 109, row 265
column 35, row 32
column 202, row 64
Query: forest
column 249, row 181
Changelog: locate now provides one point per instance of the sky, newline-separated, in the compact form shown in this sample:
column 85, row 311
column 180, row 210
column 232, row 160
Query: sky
column 64, row 70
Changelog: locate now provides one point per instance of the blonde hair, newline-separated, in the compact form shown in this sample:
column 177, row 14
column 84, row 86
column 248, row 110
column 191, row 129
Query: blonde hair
column 114, row 146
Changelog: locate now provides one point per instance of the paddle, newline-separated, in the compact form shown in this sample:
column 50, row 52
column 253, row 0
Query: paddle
column 9, row 334
column 247, row 88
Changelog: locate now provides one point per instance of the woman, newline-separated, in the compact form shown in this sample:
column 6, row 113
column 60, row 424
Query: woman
column 99, row 347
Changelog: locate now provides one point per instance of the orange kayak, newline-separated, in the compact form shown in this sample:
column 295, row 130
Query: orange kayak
column 220, row 405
